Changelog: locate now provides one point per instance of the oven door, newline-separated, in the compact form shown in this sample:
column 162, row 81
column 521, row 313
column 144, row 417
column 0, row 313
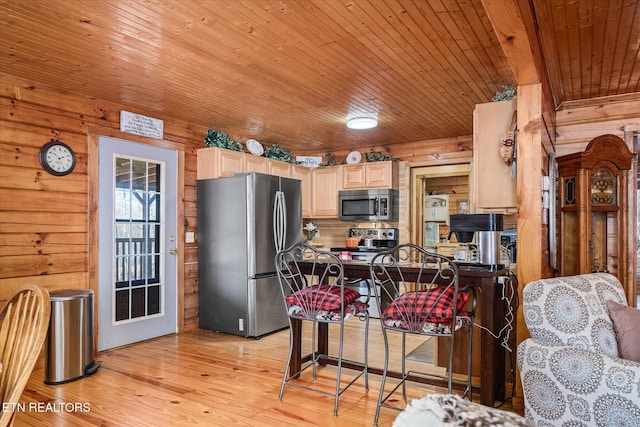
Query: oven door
column 363, row 256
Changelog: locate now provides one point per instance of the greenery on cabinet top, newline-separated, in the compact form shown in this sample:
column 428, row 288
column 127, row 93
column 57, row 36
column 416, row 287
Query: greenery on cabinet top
column 220, row 139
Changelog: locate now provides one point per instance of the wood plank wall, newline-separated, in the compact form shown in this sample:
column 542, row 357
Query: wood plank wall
column 578, row 122
column 44, row 220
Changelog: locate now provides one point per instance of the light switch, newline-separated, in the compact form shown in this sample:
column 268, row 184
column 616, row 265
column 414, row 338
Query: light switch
column 545, row 183
column 189, row 237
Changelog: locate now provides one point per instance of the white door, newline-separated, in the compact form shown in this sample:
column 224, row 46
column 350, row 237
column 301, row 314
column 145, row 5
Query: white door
column 137, row 280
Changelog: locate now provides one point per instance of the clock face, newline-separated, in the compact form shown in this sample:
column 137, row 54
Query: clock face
column 57, row 158
column 602, row 187
column 602, row 192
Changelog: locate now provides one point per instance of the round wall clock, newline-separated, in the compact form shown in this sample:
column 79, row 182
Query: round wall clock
column 57, row 158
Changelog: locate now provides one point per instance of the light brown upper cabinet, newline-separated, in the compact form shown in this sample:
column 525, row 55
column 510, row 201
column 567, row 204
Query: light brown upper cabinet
column 319, row 186
column 324, row 194
column 303, row 173
column 279, row 168
column 253, row 163
column 493, row 184
column 216, row 163
column 370, row 175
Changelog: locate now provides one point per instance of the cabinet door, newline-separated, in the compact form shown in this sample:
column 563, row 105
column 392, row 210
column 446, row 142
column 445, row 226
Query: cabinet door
column 230, row 162
column 370, row 175
column 218, row 162
column 353, row 176
column 379, row 175
column 494, row 187
column 324, row 198
column 253, row 163
column 437, row 208
column 280, row 168
column 303, row 173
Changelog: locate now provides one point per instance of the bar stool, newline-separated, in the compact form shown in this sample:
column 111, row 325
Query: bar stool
column 320, row 298
column 429, row 302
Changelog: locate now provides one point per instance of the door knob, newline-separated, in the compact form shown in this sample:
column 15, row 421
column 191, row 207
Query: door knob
column 173, row 251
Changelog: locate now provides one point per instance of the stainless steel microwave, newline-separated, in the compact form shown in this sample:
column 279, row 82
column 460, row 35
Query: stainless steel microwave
column 368, row 205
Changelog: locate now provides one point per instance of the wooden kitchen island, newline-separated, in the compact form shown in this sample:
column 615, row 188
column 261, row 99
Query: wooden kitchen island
column 491, row 314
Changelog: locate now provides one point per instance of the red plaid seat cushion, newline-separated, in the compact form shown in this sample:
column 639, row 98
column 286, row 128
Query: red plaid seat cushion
column 322, row 297
column 417, row 306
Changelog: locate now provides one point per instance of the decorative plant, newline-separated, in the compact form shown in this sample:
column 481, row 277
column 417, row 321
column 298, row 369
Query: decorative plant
column 376, row 156
column 311, row 230
column 331, row 159
column 507, row 93
column 220, row 139
column 277, row 153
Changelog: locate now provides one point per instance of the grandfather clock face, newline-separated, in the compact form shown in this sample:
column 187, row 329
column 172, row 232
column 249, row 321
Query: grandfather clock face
column 603, row 187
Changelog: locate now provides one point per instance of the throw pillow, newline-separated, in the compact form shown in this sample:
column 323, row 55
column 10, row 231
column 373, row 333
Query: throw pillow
column 322, row 297
column 434, row 306
column 625, row 323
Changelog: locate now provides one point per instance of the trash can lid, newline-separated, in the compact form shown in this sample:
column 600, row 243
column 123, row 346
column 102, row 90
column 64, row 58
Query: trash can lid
column 69, row 294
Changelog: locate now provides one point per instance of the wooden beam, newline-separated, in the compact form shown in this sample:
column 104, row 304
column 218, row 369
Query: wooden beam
column 514, row 22
column 508, row 22
column 530, row 235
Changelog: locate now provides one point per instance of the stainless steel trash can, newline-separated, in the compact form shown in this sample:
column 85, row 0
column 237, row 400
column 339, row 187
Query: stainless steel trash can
column 69, row 349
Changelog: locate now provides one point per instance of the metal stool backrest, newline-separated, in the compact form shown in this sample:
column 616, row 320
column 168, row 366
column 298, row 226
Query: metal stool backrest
column 326, row 269
column 414, row 287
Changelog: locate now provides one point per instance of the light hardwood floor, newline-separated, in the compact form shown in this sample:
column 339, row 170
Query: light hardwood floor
column 209, row 379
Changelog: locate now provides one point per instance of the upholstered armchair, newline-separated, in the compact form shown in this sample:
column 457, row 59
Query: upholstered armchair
column 574, row 368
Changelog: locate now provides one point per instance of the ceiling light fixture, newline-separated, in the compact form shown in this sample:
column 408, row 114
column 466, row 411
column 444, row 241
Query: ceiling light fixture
column 362, row 123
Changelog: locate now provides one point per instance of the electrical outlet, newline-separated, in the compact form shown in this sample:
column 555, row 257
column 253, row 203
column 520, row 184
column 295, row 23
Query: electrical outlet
column 190, row 237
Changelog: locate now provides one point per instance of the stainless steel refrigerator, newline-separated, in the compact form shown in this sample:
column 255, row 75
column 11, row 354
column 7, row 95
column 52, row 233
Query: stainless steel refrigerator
column 242, row 222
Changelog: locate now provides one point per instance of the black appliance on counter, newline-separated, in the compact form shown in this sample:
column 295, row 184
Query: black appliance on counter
column 486, row 228
column 372, row 241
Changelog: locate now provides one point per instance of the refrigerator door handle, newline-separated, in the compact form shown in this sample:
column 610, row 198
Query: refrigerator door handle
column 276, row 224
column 283, row 207
column 279, row 221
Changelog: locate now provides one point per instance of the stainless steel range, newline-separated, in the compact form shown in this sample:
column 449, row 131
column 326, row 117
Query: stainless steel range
column 372, row 241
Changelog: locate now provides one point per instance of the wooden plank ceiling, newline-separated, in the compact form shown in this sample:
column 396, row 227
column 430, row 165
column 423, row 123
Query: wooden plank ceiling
column 292, row 72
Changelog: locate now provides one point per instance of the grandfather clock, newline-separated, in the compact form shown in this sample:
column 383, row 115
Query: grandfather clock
column 593, row 223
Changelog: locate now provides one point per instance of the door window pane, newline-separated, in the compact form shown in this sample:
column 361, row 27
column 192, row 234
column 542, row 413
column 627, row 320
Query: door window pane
column 138, row 231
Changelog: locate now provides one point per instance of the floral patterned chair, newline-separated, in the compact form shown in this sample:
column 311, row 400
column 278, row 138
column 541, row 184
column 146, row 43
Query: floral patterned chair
column 571, row 369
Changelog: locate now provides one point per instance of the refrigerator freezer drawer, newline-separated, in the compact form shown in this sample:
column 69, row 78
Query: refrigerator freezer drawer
column 267, row 311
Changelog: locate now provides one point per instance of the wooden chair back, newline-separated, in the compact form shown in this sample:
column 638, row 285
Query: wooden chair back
column 24, row 322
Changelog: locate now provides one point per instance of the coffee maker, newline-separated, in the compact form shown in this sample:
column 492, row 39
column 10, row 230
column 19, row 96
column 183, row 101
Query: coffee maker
column 486, row 228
